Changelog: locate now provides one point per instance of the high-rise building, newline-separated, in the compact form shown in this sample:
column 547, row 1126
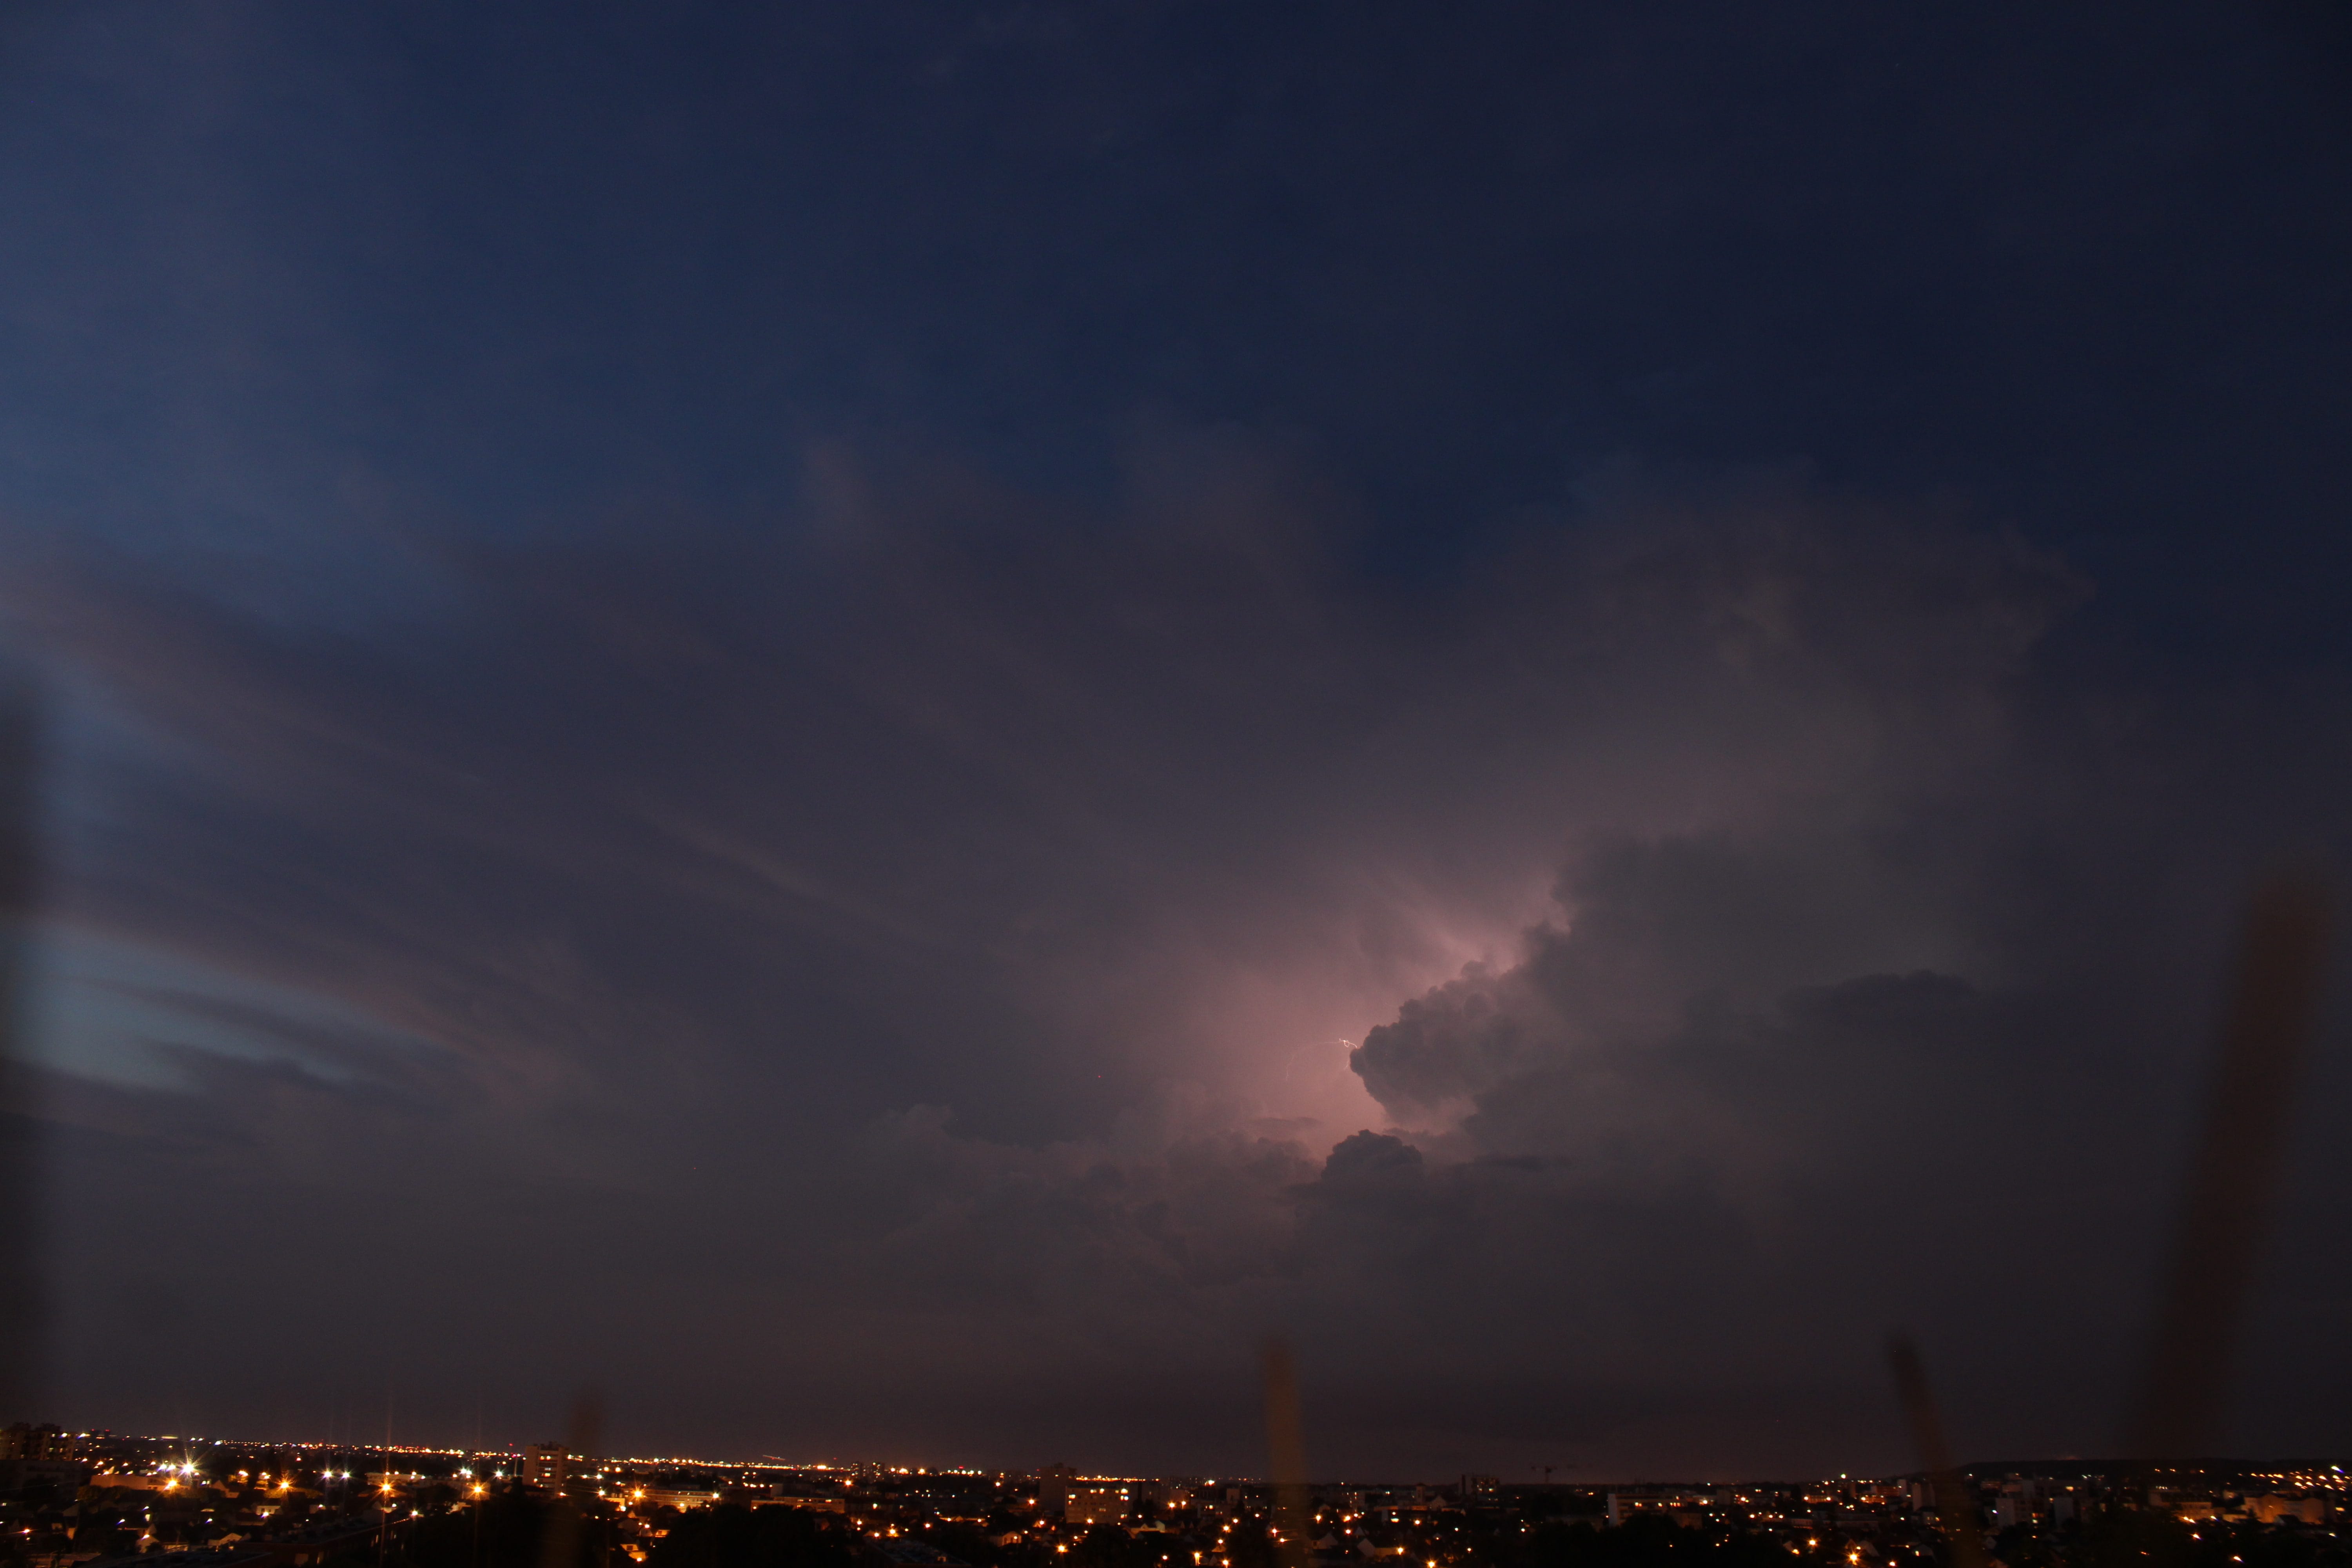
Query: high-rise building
column 25, row 1441
column 545, row 1466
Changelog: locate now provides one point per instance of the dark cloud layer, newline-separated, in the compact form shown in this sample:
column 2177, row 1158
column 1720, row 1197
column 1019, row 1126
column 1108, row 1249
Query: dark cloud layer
column 920, row 977
column 885, row 727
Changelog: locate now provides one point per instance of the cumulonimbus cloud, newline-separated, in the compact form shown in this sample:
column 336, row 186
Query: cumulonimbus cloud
column 1731, row 899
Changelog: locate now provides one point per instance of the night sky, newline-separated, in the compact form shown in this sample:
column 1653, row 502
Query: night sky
column 881, row 725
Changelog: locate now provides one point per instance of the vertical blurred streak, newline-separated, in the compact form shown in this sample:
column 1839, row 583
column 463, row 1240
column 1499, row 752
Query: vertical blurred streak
column 1955, row 1508
column 22, row 1299
column 2233, row 1175
column 1286, row 1446
column 559, row 1543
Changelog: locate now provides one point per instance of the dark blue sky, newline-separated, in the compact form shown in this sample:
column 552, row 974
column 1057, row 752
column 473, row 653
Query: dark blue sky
column 2081, row 274
column 797, row 676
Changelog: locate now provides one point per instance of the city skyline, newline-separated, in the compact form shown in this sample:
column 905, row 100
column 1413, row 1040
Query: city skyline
column 2303, row 1471
column 71, row 1499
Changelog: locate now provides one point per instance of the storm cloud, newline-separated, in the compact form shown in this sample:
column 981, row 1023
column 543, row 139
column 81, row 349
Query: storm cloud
column 958, row 965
